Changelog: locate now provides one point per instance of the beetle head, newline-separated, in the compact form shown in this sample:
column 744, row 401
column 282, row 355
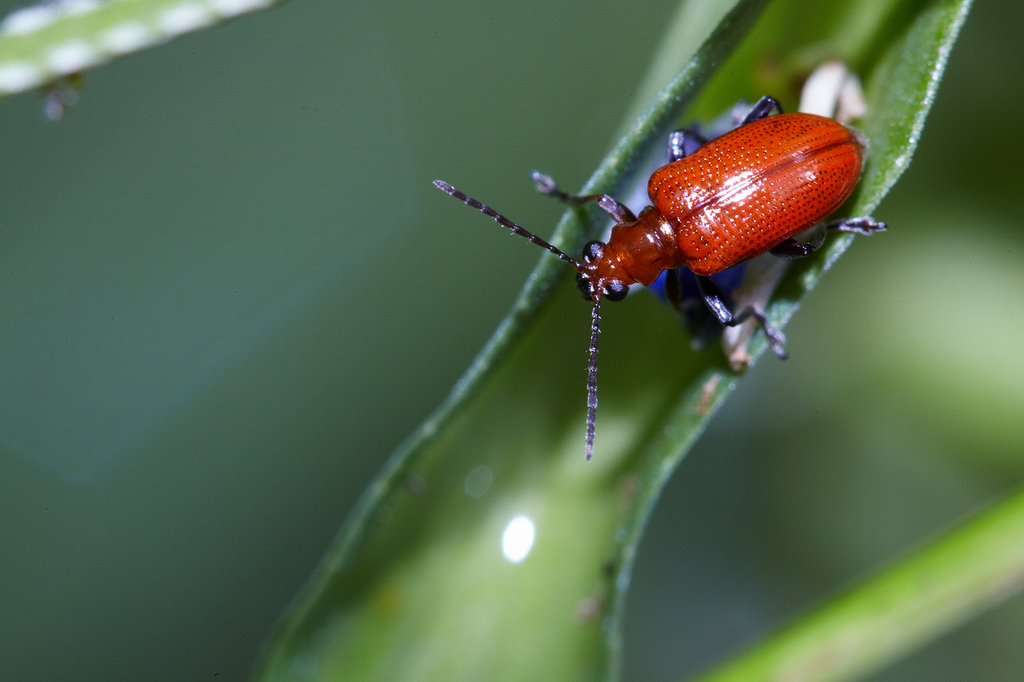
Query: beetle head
column 599, row 276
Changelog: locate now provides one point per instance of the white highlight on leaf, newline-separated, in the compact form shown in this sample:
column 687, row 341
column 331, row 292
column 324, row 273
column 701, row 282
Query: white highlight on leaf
column 18, row 76
column 29, row 19
column 128, row 37
column 230, row 8
column 76, row 7
column 184, row 18
column 72, row 56
column 517, row 540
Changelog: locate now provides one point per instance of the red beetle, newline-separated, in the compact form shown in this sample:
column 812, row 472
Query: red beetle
column 738, row 196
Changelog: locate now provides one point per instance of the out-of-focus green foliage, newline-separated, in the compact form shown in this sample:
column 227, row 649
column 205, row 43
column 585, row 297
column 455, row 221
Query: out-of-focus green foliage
column 229, row 291
column 48, row 40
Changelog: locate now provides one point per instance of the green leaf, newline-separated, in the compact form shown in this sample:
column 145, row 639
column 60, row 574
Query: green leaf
column 52, row 39
column 416, row 586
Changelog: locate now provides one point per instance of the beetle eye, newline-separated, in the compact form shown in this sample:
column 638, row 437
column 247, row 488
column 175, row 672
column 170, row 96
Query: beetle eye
column 584, row 286
column 592, row 251
column 616, row 291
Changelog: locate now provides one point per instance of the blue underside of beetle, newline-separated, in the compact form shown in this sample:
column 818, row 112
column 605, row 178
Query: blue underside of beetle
column 699, row 322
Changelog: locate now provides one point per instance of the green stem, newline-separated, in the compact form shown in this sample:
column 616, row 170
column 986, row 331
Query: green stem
column 915, row 601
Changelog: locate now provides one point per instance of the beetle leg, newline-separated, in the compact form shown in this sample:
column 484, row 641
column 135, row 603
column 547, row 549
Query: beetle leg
column 763, row 108
column 680, row 291
column 682, row 143
column 717, row 303
column 792, row 249
column 863, row 225
column 620, row 212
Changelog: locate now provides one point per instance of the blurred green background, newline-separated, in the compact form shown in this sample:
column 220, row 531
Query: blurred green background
column 229, row 291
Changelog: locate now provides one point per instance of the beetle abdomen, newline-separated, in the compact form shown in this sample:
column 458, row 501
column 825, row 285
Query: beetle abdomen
column 743, row 193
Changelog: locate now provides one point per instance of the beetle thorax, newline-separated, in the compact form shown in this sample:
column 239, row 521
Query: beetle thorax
column 639, row 251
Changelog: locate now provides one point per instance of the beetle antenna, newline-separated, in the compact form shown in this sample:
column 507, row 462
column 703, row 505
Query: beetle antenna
column 595, row 330
column 522, row 232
